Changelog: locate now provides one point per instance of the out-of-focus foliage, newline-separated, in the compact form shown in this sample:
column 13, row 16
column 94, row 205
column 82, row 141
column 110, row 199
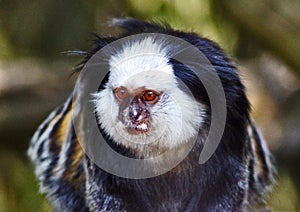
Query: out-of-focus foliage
column 264, row 36
column 18, row 187
column 189, row 15
column 44, row 28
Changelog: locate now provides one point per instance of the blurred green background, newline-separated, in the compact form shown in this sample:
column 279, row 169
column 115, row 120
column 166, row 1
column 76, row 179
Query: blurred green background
column 263, row 37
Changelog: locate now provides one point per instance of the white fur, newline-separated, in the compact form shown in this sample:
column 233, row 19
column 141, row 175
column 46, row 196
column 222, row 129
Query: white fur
column 175, row 118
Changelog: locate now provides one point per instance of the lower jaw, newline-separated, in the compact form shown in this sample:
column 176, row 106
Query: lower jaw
column 136, row 131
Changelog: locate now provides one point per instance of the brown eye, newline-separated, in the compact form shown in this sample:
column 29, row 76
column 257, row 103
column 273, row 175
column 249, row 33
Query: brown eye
column 150, row 96
column 121, row 93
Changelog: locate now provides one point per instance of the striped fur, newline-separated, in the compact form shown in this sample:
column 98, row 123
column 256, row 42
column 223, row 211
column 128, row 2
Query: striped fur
column 260, row 168
column 57, row 157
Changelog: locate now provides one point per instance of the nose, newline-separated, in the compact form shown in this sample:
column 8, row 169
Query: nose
column 138, row 111
column 135, row 113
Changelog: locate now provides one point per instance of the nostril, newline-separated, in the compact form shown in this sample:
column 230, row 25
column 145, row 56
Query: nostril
column 134, row 115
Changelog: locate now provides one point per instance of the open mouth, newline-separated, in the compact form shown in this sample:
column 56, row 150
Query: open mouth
column 136, row 129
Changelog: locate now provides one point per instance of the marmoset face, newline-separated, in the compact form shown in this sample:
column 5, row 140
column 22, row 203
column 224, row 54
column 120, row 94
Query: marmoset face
column 142, row 103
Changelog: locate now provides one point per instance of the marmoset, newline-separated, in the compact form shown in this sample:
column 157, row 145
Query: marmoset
column 149, row 96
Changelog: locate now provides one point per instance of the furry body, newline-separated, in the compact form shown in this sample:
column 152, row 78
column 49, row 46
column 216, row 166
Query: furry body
column 237, row 177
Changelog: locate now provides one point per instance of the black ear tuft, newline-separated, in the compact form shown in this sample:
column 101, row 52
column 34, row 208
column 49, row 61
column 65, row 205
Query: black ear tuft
column 137, row 26
column 98, row 43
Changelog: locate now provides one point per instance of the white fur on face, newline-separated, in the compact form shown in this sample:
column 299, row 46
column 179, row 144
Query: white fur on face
column 174, row 119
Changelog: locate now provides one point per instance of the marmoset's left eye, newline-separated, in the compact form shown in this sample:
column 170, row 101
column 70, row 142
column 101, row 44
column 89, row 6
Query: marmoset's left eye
column 151, row 96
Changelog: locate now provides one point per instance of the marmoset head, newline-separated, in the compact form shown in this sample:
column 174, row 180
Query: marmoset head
column 143, row 103
column 150, row 102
